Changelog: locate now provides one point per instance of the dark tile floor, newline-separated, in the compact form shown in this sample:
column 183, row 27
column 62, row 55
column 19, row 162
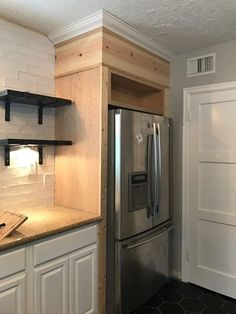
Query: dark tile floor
column 182, row 298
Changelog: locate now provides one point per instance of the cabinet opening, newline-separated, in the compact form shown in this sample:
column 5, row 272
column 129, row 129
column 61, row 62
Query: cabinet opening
column 129, row 93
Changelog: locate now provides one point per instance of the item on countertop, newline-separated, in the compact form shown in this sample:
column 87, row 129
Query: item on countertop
column 9, row 222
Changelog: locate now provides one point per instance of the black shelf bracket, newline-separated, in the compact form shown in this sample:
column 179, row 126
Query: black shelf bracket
column 40, row 150
column 39, row 144
column 40, row 112
column 9, row 96
column 7, row 110
column 7, row 155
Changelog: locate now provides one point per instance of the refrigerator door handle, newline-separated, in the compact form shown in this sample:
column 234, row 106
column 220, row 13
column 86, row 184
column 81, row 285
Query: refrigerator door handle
column 155, row 170
column 165, row 230
column 150, row 205
column 160, row 165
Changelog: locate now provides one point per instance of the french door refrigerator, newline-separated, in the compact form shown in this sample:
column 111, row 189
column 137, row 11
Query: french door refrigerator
column 138, row 214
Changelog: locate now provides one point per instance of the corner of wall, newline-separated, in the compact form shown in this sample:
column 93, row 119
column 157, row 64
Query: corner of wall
column 27, row 63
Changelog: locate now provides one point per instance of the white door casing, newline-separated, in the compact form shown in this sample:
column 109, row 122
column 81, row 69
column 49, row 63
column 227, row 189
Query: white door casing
column 209, row 187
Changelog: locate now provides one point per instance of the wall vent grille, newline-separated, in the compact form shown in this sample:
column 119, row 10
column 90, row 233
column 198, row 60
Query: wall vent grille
column 201, row 65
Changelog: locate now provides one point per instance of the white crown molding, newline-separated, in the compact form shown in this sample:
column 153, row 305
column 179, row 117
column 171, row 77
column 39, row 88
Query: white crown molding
column 113, row 23
column 123, row 29
column 84, row 25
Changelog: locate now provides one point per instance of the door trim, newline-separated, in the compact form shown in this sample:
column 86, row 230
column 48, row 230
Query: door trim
column 187, row 93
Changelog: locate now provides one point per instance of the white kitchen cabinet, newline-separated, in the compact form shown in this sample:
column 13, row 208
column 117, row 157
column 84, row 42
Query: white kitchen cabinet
column 12, row 282
column 83, row 281
column 65, row 273
column 51, row 287
column 61, row 275
column 12, row 295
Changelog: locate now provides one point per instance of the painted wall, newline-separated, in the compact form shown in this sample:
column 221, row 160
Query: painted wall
column 225, row 71
column 26, row 63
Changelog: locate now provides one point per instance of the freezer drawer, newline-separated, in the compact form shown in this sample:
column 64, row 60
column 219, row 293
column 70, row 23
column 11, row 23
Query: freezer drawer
column 144, row 269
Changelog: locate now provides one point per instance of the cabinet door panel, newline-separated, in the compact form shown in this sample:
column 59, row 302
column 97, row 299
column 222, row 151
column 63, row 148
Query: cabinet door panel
column 51, row 287
column 83, row 281
column 12, row 295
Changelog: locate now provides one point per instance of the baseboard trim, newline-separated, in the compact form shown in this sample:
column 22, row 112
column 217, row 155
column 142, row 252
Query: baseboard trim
column 176, row 274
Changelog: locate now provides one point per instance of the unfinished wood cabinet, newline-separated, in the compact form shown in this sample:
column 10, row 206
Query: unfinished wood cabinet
column 122, row 55
column 94, row 70
column 77, row 168
column 101, row 46
column 133, row 94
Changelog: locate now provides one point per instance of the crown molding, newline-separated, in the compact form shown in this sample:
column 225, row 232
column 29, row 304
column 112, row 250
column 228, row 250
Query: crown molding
column 123, row 29
column 84, row 25
column 105, row 19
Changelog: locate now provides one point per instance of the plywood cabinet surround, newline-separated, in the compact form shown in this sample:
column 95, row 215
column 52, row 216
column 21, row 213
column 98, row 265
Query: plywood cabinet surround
column 129, row 93
column 94, row 70
column 101, row 46
column 120, row 54
column 77, row 167
column 79, row 54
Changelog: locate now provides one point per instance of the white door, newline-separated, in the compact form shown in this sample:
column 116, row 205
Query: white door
column 51, row 287
column 83, row 281
column 209, row 188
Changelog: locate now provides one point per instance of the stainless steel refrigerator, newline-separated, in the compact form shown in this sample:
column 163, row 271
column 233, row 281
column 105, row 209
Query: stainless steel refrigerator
column 138, row 213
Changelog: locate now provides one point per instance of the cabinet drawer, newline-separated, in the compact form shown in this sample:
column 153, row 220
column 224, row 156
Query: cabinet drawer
column 12, row 262
column 64, row 244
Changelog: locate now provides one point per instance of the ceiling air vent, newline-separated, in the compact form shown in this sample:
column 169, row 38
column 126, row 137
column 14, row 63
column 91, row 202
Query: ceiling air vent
column 201, row 65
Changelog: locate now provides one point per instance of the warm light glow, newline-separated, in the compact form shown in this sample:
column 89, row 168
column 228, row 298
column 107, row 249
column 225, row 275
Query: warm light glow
column 24, row 157
column 215, row 115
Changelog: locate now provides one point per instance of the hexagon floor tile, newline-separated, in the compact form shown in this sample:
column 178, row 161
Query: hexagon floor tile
column 182, row 298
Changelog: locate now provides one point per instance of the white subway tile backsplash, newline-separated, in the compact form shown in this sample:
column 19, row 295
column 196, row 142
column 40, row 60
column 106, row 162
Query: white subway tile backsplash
column 21, row 189
column 49, row 178
column 46, row 47
column 27, row 51
column 27, row 63
column 9, row 73
column 12, row 36
column 20, row 85
column 36, row 70
column 51, row 57
column 46, row 65
column 27, row 77
column 23, row 34
column 6, row 44
column 1, row 81
column 4, row 63
column 19, row 57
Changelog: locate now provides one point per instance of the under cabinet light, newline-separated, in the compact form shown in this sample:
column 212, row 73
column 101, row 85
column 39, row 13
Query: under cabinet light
column 39, row 144
column 24, row 157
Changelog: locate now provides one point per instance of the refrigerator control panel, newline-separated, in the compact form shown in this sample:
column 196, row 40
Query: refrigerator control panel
column 138, row 191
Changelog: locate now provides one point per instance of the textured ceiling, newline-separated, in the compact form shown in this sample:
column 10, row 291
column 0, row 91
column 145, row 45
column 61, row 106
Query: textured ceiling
column 181, row 25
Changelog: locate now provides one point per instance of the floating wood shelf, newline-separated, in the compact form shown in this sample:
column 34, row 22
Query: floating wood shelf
column 9, row 96
column 7, row 143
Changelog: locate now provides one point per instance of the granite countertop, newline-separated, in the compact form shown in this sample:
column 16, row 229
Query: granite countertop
column 43, row 222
